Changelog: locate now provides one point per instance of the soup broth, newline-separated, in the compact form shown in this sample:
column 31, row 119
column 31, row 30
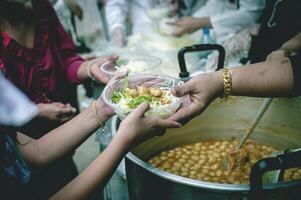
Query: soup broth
column 209, row 161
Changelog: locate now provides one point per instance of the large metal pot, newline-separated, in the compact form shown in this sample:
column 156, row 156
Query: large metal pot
column 280, row 127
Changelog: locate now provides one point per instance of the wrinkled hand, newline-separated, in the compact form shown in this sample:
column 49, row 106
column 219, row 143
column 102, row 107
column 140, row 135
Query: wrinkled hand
column 136, row 128
column 57, row 112
column 201, row 91
column 96, row 72
column 277, row 54
column 187, row 25
column 74, row 8
column 118, row 37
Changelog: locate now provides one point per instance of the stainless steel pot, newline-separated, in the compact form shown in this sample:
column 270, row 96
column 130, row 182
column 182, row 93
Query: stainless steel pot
column 280, row 127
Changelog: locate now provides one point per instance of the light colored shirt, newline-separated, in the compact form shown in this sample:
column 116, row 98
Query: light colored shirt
column 117, row 11
column 227, row 19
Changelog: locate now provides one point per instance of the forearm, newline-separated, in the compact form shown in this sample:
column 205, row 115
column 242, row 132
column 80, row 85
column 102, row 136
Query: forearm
column 62, row 139
column 97, row 174
column 82, row 73
column 293, row 45
column 203, row 22
column 266, row 79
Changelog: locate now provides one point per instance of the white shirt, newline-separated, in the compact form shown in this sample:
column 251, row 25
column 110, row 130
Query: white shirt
column 226, row 19
column 15, row 108
column 117, row 11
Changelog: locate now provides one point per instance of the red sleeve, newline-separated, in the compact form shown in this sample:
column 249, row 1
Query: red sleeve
column 71, row 59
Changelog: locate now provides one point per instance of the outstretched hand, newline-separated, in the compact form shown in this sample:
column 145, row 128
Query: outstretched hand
column 96, row 72
column 56, row 111
column 200, row 91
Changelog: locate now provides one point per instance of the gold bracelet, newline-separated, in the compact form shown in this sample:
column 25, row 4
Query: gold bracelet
column 101, row 124
column 227, row 83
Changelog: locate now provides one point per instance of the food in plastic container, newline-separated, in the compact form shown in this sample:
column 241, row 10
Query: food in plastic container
column 132, row 64
column 124, row 95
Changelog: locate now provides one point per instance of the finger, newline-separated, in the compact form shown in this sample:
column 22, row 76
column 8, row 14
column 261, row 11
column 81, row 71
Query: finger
column 140, row 110
column 119, row 75
column 173, row 23
column 184, row 114
column 268, row 58
column 179, row 32
column 165, row 123
column 182, row 90
column 66, row 111
column 59, row 104
column 72, row 108
column 110, row 58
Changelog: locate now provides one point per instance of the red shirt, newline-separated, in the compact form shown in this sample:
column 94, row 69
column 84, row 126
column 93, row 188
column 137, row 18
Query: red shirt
column 48, row 71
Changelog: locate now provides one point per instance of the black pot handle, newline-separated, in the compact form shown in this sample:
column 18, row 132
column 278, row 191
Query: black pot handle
column 199, row 47
column 280, row 162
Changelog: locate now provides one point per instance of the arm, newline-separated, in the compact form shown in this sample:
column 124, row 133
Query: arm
column 115, row 13
column 75, row 68
column 64, row 138
column 234, row 20
column 99, row 171
column 74, row 8
column 225, row 17
column 189, row 24
column 267, row 79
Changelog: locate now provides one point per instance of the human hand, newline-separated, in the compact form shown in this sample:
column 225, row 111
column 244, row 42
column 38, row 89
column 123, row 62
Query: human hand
column 56, row 111
column 95, row 70
column 74, row 8
column 189, row 24
column 278, row 54
column 136, row 128
column 118, row 37
column 201, row 91
column 104, row 111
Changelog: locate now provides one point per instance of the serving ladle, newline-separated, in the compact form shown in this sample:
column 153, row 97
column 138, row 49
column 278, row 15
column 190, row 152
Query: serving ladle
column 264, row 106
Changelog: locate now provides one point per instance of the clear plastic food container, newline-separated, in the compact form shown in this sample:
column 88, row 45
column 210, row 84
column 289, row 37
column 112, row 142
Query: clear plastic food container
column 134, row 81
column 134, row 64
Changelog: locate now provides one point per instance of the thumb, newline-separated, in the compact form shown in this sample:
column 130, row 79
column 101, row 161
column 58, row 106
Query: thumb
column 182, row 90
column 140, row 110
